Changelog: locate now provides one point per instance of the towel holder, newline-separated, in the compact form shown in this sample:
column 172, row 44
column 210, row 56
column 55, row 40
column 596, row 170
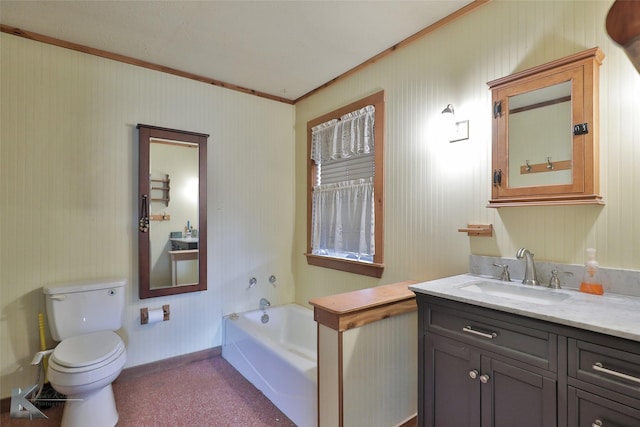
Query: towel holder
column 478, row 230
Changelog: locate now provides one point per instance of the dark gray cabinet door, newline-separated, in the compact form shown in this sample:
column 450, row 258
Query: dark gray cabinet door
column 587, row 409
column 464, row 387
column 451, row 395
column 513, row 396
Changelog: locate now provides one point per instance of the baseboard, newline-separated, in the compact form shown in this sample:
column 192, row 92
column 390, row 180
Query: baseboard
column 139, row 371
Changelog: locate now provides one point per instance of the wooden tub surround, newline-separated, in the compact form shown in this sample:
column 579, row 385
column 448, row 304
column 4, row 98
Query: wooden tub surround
column 367, row 356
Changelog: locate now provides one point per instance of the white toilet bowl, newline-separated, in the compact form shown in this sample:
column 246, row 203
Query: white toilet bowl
column 83, row 367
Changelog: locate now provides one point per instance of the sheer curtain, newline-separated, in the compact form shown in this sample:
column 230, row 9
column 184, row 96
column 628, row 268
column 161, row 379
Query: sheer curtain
column 343, row 212
column 350, row 136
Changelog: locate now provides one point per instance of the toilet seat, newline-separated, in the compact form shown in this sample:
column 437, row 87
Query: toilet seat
column 87, row 352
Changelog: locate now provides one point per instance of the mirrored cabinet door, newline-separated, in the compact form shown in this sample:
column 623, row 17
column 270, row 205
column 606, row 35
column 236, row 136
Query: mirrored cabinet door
column 545, row 134
column 172, row 206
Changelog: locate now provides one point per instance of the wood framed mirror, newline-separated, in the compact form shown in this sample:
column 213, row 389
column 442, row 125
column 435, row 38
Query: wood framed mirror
column 172, row 211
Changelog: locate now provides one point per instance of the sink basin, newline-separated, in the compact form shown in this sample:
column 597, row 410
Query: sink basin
column 515, row 292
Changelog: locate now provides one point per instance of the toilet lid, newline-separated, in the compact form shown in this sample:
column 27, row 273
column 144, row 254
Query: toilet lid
column 85, row 350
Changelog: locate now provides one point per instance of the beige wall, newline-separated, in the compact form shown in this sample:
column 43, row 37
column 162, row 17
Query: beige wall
column 68, row 191
column 433, row 187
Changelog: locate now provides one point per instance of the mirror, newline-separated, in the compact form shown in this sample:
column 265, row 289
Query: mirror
column 540, row 136
column 172, row 217
column 545, row 133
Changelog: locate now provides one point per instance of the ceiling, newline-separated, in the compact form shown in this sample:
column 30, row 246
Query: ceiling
column 284, row 49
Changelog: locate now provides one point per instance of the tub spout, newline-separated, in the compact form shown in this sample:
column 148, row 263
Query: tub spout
column 264, row 303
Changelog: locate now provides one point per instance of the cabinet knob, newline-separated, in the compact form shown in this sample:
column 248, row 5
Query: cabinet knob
column 473, row 374
column 597, row 423
column 484, row 378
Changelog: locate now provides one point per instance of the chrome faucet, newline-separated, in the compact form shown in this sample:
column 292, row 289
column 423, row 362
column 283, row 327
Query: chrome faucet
column 530, row 277
column 264, row 303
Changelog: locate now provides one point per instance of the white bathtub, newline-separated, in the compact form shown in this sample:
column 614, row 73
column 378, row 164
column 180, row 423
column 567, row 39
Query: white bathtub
column 278, row 357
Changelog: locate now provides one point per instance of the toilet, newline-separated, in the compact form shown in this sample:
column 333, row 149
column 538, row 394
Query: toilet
column 90, row 356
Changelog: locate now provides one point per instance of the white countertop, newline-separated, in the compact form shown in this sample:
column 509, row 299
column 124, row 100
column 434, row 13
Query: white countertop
column 611, row 314
column 185, row 239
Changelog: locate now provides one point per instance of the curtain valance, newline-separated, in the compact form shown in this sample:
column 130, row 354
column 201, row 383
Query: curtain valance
column 350, row 136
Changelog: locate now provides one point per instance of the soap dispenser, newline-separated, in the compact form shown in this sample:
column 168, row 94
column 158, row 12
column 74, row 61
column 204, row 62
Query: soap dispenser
column 592, row 280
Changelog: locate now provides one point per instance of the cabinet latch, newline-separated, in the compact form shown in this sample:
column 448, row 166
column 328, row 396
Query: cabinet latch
column 581, row 129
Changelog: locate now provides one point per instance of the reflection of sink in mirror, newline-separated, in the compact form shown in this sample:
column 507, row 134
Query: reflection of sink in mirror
column 184, row 243
column 515, row 292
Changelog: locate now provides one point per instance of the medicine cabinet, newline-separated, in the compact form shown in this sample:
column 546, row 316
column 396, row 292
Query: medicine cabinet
column 545, row 133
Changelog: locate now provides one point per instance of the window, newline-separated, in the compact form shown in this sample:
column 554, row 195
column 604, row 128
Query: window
column 345, row 194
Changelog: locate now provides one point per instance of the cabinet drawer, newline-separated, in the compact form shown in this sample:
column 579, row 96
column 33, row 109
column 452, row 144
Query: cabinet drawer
column 605, row 367
column 502, row 333
column 587, row 409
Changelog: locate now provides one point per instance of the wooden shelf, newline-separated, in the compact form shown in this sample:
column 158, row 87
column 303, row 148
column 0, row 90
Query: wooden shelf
column 164, row 188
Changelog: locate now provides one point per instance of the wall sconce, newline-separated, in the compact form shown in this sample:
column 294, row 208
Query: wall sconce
column 457, row 131
column 448, row 110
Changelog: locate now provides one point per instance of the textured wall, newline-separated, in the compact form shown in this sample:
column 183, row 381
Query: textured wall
column 68, row 191
column 434, row 187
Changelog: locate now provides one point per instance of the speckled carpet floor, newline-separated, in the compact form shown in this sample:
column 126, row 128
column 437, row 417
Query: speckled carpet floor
column 205, row 393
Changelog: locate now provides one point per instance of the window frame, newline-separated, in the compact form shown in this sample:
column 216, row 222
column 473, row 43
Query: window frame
column 376, row 268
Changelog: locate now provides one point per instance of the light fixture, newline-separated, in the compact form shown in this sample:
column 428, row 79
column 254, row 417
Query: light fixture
column 457, row 131
column 448, row 110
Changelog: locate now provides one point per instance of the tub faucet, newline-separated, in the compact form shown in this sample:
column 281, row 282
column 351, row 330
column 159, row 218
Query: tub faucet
column 530, row 277
column 264, row 303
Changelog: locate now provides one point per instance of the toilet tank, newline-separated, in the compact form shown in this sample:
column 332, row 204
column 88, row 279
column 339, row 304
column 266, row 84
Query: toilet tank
column 84, row 307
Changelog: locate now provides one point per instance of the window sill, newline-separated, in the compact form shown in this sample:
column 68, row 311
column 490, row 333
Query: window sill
column 355, row 267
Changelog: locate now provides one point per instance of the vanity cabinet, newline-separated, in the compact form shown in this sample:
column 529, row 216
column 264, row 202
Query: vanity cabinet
column 484, row 367
column 478, row 370
column 545, row 133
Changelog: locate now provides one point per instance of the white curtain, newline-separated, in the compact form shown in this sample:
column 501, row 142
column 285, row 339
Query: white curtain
column 341, row 139
column 343, row 219
column 343, row 213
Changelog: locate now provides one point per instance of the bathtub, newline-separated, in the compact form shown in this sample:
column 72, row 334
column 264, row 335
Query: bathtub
column 278, row 357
